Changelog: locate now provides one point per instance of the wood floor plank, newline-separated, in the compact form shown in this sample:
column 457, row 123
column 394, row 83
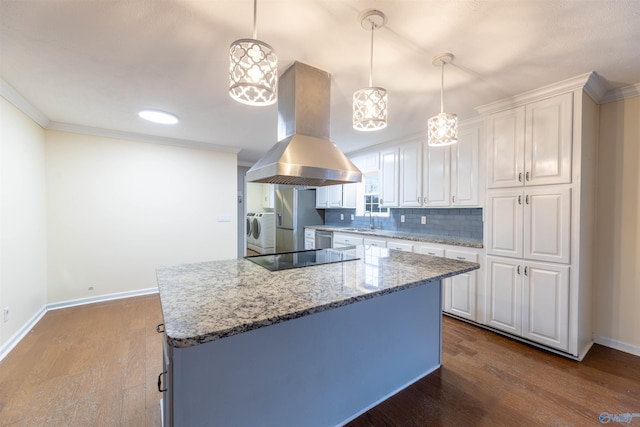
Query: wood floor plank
column 97, row 365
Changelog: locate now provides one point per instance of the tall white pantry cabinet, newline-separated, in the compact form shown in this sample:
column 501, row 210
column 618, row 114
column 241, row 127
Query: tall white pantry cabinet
column 539, row 218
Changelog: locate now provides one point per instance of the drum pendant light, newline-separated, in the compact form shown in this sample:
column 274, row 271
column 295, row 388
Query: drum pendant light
column 370, row 103
column 253, row 70
column 443, row 128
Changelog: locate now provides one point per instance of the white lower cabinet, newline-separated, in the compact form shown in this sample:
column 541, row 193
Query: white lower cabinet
column 400, row 246
column 341, row 240
column 375, row 242
column 460, row 293
column 529, row 299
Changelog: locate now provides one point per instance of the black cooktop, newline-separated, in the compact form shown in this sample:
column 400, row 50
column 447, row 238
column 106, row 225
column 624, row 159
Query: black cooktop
column 288, row 260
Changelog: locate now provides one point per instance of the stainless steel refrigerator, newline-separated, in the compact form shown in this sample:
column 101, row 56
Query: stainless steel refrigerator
column 295, row 209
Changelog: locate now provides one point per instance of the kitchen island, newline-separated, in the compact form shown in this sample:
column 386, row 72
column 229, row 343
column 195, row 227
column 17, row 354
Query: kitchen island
column 319, row 345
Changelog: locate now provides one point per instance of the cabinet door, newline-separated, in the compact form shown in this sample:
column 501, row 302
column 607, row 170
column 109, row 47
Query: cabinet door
column 505, row 146
column 549, row 126
column 411, row 174
column 309, row 244
column 505, row 216
column 436, row 185
column 545, row 305
column 460, row 296
column 350, row 195
column 335, row 196
column 547, row 224
column 464, row 168
column 322, row 197
column 504, row 285
column 389, row 178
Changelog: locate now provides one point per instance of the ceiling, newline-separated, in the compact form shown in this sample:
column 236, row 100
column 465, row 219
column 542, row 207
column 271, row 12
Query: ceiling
column 93, row 64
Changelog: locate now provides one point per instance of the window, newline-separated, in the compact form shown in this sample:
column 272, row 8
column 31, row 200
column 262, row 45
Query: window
column 372, row 194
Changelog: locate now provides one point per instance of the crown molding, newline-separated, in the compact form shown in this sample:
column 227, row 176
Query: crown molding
column 20, row 102
column 132, row 136
column 621, row 93
column 590, row 82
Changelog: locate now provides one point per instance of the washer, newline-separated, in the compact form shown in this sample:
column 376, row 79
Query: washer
column 263, row 231
column 251, row 241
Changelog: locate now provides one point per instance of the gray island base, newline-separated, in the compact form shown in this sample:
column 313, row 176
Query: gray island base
column 313, row 346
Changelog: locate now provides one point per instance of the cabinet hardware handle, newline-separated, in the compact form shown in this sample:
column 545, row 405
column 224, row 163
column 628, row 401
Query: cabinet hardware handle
column 160, row 328
column 526, row 176
column 431, row 253
column 462, row 258
column 518, row 270
column 419, row 199
column 381, row 202
column 160, row 389
column 526, row 199
column 525, row 271
column 453, row 199
column 519, row 200
column 520, row 177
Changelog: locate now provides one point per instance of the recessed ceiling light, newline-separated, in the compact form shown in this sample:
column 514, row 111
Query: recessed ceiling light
column 161, row 117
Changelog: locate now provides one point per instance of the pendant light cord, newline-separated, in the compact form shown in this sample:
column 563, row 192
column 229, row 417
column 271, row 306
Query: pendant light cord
column 255, row 19
column 373, row 26
column 442, row 87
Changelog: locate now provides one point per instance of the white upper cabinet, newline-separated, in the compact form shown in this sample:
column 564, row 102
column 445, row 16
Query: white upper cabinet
column 350, row 195
column 531, row 144
column 335, row 196
column 465, row 173
column 411, row 174
column 389, row 178
column 505, row 148
column 548, row 141
column 322, row 197
column 436, row 183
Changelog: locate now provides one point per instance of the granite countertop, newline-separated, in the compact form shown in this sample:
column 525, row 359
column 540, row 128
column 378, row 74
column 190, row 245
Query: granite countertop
column 427, row 238
column 208, row 301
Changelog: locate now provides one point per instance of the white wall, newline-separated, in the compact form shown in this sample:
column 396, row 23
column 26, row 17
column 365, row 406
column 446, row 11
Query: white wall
column 23, row 278
column 118, row 209
column 617, row 252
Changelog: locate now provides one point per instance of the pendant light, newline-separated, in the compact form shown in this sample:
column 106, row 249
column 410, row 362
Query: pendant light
column 253, row 70
column 370, row 103
column 443, row 128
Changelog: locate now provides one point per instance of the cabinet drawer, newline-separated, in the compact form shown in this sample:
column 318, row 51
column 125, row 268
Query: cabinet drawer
column 309, row 233
column 375, row 242
column 462, row 255
column 399, row 246
column 346, row 239
column 430, row 250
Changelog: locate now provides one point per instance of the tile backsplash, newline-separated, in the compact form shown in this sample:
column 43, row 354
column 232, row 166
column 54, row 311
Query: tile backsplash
column 457, row 222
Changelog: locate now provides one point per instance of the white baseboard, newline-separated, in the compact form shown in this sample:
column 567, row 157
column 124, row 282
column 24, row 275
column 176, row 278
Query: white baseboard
column 617, row 345
column 101, row 298
column 21, row 333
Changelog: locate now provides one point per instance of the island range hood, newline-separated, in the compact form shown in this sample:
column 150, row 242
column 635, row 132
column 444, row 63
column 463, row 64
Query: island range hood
column 304, row 154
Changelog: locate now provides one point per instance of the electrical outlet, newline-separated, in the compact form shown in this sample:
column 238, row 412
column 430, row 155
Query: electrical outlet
column 341, row 217
column 423, row 219
column 6, row 314
column 353, row 217
column 90, row 288
column 401, row 218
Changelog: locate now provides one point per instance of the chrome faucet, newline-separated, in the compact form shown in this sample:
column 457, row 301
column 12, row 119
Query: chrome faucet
column 370, row 220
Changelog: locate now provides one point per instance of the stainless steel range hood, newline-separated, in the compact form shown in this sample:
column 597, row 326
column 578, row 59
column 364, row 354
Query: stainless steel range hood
column 304, row 154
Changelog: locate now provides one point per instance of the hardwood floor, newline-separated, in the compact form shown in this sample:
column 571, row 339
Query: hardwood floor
column 92, row 365
column 97, row 365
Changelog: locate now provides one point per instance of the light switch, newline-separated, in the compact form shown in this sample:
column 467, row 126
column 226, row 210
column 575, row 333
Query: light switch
column 341, row 217
column 423, row 219
column 401, row 218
